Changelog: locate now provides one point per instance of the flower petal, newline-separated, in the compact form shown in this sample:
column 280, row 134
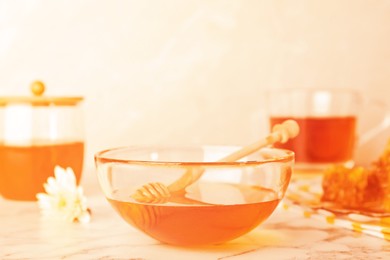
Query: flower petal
column 63, row 198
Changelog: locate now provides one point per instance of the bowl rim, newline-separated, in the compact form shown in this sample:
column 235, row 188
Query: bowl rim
column 100, row 157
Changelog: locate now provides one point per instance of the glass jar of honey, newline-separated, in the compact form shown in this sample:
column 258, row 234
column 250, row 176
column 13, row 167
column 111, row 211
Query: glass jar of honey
column 38, row 133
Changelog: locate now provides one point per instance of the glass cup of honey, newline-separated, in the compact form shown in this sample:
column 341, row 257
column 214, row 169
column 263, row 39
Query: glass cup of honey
column 184, row 196
column 330, row 121
column 36, row 134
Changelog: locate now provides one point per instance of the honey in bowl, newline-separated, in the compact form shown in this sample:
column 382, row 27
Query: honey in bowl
column 199, row 223
column 228, row 200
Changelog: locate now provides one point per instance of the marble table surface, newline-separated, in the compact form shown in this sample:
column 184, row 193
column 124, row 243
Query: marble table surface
column 285, row 235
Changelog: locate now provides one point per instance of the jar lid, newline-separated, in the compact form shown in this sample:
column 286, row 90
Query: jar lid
column 37, row 99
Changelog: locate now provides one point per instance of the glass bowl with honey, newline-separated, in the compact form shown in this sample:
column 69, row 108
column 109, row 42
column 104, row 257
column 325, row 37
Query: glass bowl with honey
column 186, row 196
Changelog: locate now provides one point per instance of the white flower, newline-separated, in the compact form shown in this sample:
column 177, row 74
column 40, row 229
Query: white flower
column 63, row 198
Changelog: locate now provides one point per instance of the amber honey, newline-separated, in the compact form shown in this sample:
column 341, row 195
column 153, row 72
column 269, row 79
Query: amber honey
column 24, row 169
column 197, row 224
column 322, row 139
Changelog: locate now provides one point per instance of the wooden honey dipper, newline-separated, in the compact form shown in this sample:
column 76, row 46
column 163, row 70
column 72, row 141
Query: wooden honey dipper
column 160, row 193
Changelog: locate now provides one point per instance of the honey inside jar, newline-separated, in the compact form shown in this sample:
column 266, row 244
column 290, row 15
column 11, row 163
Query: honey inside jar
column 24, row 169
column 38, row 133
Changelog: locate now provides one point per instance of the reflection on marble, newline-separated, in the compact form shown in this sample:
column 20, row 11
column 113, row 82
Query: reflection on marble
column 286, row 235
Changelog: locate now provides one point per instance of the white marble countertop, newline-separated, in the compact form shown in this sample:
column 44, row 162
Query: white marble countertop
column 285, row 235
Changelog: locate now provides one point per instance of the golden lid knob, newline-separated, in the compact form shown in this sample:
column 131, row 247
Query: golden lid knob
column 37, row 88
column 38, row 99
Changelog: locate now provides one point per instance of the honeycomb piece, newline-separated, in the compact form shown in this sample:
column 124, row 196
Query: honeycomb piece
column 344, row 186
column 359, row 187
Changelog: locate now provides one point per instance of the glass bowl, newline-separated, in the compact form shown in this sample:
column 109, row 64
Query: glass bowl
column 219, row 202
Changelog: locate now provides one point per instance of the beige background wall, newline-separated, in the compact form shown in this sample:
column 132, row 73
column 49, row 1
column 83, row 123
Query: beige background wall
column 189, row 71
